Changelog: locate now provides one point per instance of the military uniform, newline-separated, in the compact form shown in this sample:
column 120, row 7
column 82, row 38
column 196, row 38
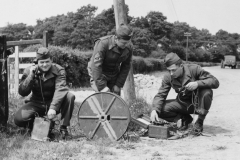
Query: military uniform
column 51, row 90
column 171, row 110
column 109, row 64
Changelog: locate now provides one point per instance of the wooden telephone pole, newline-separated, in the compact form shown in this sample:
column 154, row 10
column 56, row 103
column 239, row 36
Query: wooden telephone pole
column 121, row 18
column 187, row 34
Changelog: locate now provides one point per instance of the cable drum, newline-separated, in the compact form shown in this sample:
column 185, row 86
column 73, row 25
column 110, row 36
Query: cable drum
column 104, row 115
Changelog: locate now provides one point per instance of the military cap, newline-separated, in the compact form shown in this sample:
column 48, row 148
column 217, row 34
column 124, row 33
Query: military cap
column 171, row 59
column 124, row 32
column 42, row 53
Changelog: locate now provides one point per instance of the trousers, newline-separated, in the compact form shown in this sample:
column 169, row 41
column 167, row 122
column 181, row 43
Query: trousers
column 173, row 109
column 109, row 81
column 24, row 117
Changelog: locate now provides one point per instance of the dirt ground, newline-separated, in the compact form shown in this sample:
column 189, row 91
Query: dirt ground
column 222, row 129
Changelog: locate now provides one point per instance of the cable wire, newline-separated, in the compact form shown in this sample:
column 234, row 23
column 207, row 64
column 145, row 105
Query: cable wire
column 174, row 10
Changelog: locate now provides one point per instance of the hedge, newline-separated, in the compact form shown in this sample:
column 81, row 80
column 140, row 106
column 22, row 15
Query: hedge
column 204, row 64
column 73, row 60
column 75, row 63
column 146, row 65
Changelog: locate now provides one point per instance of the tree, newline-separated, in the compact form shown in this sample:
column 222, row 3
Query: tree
column 16, row 32
column 143, row 45
column 158, row 25
column 106, row 22
column 222, row 35
column 63, row 32
column 48, row 24
column 149, row 32
column 179, row 50
column 84, row 33
column 177, row 35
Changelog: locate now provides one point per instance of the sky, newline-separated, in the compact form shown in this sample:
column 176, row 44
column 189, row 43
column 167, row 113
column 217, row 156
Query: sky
column 202, row 14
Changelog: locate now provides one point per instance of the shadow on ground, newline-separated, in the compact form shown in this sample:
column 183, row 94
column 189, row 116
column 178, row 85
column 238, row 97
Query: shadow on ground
column 215, row 130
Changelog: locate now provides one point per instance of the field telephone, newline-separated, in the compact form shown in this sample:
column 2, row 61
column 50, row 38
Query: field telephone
column 155, row 129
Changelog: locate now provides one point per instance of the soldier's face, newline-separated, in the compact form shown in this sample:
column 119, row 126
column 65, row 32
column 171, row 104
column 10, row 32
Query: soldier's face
column 45, row 64
column 122, row 43
column 172, row 69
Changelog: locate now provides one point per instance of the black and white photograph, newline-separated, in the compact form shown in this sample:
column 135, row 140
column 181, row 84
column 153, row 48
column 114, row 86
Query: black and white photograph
column 119, row 80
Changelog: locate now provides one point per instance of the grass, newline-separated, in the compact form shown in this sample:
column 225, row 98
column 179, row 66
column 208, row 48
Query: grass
column 16, row 144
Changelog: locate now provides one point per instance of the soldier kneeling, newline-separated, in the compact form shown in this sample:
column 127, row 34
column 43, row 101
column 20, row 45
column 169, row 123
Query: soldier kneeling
column 50, row 94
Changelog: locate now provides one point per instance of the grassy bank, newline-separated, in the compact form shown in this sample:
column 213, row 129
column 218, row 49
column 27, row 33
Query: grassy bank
column 16, row 143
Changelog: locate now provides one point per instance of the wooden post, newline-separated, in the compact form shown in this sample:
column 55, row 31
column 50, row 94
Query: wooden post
column 3, row 82
column 187, row 34
column 45, row 39
column 16, row 74
column 8, row 75
column 121, row 17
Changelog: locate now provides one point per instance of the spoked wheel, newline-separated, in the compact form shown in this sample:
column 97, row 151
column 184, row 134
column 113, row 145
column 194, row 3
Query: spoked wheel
column 104, row 115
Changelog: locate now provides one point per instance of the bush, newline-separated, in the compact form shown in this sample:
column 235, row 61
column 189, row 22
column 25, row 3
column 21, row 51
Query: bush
column 179, row 50
column 146, row 65
column 140, row 106
column 74, row 62
column 204, row 64
column 158, row 54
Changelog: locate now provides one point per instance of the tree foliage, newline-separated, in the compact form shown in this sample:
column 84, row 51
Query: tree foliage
column 16, row 32
column 153, row 36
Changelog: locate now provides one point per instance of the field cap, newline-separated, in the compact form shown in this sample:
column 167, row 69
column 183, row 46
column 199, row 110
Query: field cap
column 124, row 32
column 42, row 53
column 171, row 59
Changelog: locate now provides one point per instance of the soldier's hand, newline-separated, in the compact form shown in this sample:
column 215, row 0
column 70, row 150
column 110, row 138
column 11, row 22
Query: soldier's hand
column 106, row 89
column 33, row 70
column 154, row 116
column 10, row 51
column 191, row 86
column 51, row 113
column 162, row 121
column 116, row 90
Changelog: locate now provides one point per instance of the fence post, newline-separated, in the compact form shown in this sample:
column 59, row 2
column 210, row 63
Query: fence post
column 16, row 67
column 8, row 75
column 45, row 39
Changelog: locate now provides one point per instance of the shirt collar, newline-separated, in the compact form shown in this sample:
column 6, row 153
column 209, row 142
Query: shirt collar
column 53, row 72
column 112, row 42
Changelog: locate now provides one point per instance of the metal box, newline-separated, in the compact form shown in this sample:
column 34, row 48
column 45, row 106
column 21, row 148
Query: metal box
column 41, row 128
column 158, row 131
column 162, row 131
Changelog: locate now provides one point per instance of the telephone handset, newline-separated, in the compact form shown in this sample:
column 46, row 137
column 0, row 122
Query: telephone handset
column 37, row 72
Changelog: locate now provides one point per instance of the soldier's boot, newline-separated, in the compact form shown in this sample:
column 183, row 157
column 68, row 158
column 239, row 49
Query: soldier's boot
column 186, row 120
column 198, row 126
column 64, row 132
